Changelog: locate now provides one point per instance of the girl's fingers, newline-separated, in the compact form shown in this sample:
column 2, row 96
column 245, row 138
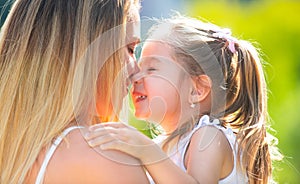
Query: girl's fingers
column 115, row 125
column 115, row 145
column 100, row 131
column 107, row 124
column 111, row 135
column 102, row 140
column 93, row 134
column 96, row 126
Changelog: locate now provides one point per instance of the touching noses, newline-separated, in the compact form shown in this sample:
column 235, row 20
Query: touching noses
column 137, row 78
column 133, row 69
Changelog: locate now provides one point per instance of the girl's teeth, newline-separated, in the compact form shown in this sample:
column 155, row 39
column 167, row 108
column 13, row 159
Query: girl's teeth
column 142, row 97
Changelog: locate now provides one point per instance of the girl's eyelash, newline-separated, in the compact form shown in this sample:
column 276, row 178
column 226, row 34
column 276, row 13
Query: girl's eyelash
column 151, row 69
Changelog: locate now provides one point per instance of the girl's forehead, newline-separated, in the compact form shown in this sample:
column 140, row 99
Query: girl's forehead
column 161, row 63
column 150, row 60
column 156, row 47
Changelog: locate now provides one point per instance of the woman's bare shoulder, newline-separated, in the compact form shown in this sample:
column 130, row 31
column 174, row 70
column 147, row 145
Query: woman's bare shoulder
column 75, row 162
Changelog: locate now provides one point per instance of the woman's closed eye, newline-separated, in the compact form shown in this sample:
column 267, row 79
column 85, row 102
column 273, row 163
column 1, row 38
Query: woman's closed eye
column 130, row 50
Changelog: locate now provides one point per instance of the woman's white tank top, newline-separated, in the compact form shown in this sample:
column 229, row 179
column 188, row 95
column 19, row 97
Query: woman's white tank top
column 50, row 152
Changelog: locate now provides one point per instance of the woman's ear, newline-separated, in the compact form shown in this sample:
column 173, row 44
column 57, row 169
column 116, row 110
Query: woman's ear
column 201, row 88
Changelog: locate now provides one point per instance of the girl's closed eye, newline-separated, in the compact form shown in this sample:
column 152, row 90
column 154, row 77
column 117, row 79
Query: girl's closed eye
column 151, row 69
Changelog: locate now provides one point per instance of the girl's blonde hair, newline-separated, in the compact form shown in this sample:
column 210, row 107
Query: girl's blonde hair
column 49, row 73
column 239, row 91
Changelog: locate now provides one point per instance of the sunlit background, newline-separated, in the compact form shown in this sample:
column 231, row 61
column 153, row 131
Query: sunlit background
column 275, row 27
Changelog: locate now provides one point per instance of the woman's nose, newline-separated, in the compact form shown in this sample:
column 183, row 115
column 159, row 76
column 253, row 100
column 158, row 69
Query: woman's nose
column 132, row 69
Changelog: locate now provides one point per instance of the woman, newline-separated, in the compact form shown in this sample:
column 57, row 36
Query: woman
column 51, row 55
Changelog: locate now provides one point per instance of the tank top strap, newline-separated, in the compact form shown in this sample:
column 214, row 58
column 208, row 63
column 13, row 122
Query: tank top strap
column 50, row 152
column 204, row 121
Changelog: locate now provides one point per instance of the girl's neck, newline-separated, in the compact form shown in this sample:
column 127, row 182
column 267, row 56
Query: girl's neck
column 169, row 125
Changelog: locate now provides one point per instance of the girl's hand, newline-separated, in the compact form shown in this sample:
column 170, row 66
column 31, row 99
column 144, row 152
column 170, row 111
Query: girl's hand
column 118, row 136
column 122, row 137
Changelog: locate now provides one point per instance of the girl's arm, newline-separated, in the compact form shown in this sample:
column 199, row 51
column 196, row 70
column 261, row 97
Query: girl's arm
column 209, row 157
column 200, row 166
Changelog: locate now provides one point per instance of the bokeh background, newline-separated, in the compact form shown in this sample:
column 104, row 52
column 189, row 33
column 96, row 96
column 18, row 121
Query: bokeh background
column 274, row 26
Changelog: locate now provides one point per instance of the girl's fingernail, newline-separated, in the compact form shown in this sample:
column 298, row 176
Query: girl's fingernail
column 90, row 143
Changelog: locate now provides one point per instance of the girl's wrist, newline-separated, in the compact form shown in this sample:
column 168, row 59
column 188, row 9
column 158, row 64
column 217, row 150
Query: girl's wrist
column 152, row 154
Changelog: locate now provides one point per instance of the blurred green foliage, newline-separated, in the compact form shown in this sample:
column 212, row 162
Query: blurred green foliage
column 274, row 27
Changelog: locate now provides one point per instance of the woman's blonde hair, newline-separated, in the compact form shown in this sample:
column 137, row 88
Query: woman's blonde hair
column 239, row 91
column 48, row 76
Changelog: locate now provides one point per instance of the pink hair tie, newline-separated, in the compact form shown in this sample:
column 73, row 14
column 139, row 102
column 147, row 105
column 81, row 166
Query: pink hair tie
column 226, row 34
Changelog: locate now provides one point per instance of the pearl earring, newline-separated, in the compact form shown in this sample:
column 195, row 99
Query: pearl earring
column 192, row 105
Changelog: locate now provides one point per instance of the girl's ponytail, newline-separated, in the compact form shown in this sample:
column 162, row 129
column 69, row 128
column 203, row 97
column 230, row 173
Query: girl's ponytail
column 252, row 114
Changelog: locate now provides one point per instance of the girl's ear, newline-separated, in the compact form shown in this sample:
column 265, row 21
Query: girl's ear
column 201, row 88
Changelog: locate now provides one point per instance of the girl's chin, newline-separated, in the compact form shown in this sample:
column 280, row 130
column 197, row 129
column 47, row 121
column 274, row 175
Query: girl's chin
column 142, row 114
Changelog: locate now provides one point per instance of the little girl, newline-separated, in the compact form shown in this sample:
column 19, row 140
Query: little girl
column 208, row 92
